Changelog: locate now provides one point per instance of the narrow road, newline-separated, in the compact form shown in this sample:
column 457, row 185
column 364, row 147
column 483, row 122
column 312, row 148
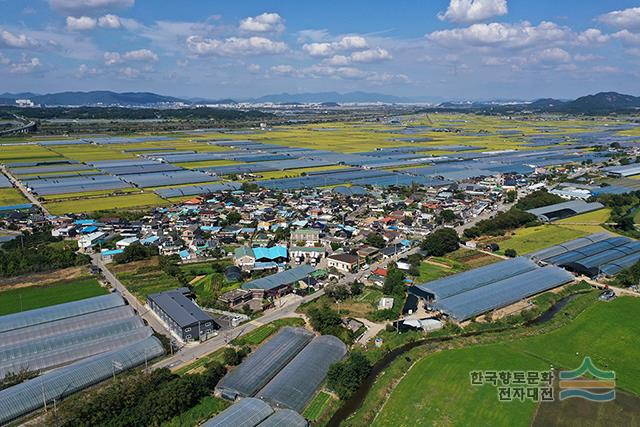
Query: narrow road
column 33, row 199
column 189, row 354
column 142, row 310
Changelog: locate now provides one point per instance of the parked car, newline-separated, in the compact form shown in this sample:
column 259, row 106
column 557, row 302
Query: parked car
column 607, row 295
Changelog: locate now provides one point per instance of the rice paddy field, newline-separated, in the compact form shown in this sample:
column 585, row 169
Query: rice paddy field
column 32, row 297
column 531, row 239
column 11, row 196
column 436, row 389
column 436, row 131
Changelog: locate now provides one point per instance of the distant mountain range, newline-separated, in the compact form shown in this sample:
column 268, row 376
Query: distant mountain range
column 602, row 102
column 99, row 97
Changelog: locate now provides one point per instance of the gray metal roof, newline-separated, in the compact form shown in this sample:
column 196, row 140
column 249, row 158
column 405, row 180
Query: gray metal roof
column 280, row 279
column 626, row 170
column 472, row 279
column 247, row 412
column 577, row 206
column 499, row 294
column 284, row 418
column 264, row 363
column 296, row 384
column 567, row 246
column 180, row 308
column 30, row 395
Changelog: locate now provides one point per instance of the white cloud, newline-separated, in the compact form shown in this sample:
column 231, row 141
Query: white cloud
column 283, row 69
column 496, row 34
column 234, row 46
column 26, row 66
column 129, row 73
column 16, row 41
column 109, row 21
column 338, row 73
column 144, row 55
column 88, row 6
column 592, row 36
column 624, row 19
column 371, row 55
column 327, row 49
column 467, row 11
column 85, row 71
column 140, row 55
column 254, row 68
column 360, row 56
column 82, row 23
column 551, row 55
column 264, row 23
column 627, row 37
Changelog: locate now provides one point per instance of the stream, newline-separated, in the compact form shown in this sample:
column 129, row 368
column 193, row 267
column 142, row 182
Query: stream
column 353, row 404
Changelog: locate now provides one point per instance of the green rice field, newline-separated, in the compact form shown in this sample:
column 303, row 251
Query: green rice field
column 32, row 297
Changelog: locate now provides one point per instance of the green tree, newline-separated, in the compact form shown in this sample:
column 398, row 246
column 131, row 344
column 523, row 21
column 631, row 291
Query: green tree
column 511, row 253
column 345, row 377
column 441, row 242
column 376, row 240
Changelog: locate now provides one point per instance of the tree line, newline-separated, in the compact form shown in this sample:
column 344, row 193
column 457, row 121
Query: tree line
column 36, row 253
column 138, row 399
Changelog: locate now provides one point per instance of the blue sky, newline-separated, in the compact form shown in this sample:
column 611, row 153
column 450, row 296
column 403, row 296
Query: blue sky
column 449, row 49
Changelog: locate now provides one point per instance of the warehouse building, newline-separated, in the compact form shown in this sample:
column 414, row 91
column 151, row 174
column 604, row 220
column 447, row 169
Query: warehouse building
column 623, row 171
column 465, row 295
column 600, row 254
column 279, row 283
column 183, row 317
column 564, row 210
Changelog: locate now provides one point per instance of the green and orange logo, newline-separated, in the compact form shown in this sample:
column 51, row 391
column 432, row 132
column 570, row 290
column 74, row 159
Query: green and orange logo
column 588, row 382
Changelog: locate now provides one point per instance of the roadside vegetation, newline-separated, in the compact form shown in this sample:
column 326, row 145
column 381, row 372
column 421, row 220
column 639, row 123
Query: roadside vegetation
column 38, row 252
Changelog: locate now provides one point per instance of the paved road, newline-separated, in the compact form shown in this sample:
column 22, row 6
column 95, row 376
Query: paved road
column 33, row 199
column 142, row 310
column 193, row 352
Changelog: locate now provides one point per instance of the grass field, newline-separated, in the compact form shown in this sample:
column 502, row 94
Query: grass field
column 531, row 239
column 316, row 407
column 32, row 297
column 11, row 196
column 205, row 409
column 145, row 277
column 105, row 203
column 604, row 331
column 257, row 336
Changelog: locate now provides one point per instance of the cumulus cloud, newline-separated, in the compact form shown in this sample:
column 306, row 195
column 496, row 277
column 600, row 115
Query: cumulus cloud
column 79, row 7
column 360, row 56
column 82, row 23
column 140, row 55
column 26, row 66
column 467, row 11
column 623, row 19
column 129, row 73
column 551, row 55
column 85, row 71
column 338, row 72
column 327, row 49
column 254, row 68
column 109, row 21
column 371, row 55
column 592, row 36
column 627, row 37
column 496, row 34
column 16, row 41
column 264, row 23
column 234, row 46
